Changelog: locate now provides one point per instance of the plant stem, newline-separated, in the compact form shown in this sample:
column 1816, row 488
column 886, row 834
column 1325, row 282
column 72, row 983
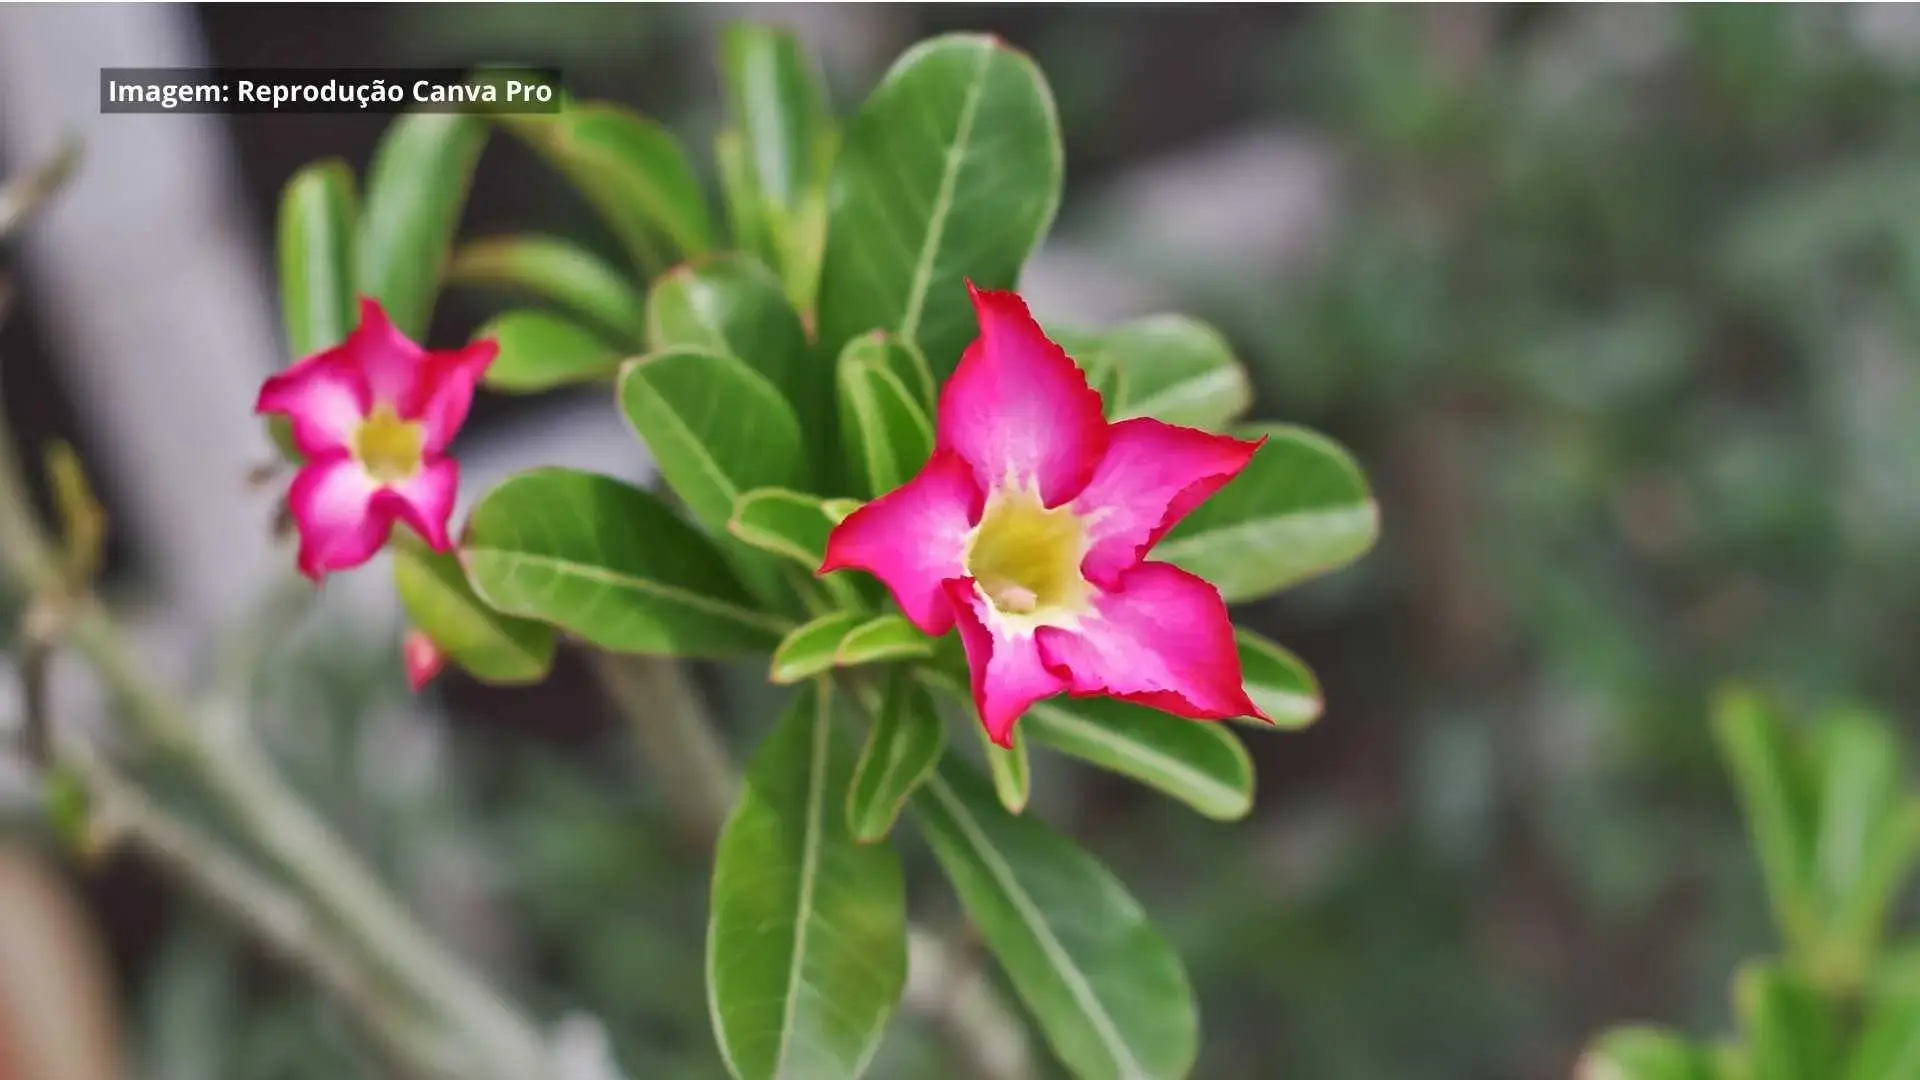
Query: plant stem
column 677, row 736
column 477, row 1034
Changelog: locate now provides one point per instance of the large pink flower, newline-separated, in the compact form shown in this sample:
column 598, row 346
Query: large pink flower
column 373, row 417
column 1028, row 529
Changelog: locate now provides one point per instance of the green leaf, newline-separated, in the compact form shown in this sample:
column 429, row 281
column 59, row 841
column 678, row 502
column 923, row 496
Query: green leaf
column 785, row 523
column 316, row 258
column 541, row 351
column 1301, row 508
column 903, row 747
column 750, row 218
column 950, row 171
column 715, row 427
column 882, row 639
column 438, row 601
column 559, row 271
column 1107, row 991
column 729, row 304
column 1888, row 1047
column 1777, row 797
column 1169, row 367
column 783, row 132
column 1201, row 764
column 775, row 96
column 416, row 188
column 1009, row 768
column 1866, row 836
column 809, row 649
column 807, row 947
column 888, row 435
column 1792, row 1034
column 610, row 563
column 1642, row 1053
column 1279, row 682
column 633, row 171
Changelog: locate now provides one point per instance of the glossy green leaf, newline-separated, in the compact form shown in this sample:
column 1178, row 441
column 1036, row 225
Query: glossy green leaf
column 775, row 96
column 633, row 171
column 1199, row 763
column 1279, row 682
column 1791, row 1031
column 1778, row 799
column 809, row 649
column 903, row 747
column 752, row 221
column 1009, row 768
column 880, row 640
column 316, row 258
column 1107, row 991
column 611, row 563
column 439, row 602
column 540, row 351
column 716, row 428
column 807, row 947
column 1169, row 367
column 416, row 189
column 559, row 271
column 950, row 171
column 730, row 304
column 1866, row 837
column 1641, row 1053
column 1301, row 508
column 778, row 114
column 785, row 523
column 889, row 436
column 1888, row 1047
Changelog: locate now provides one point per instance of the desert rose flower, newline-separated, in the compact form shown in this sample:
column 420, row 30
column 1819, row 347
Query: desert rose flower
column 373, row 417
column 1028, row 529
column 422, row 658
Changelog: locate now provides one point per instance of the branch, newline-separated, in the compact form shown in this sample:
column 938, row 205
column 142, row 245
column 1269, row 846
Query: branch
column 676, row 734
column 476, row 1034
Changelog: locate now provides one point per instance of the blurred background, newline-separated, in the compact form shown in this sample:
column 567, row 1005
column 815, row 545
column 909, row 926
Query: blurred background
column 1617, row 305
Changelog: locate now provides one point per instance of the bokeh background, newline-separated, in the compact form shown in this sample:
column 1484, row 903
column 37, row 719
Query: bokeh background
column 1617, row 305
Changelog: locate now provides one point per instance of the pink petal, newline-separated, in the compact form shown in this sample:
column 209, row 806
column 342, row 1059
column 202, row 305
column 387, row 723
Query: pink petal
column 390, row 362
column 424, row 501
column 423, row 659
column 1160, row 639
column 444, row 392
column 324, row 396
column 913, row 538
column 1018, row 409
column 1153, row 475
column 1009, row 670
column 340, row 521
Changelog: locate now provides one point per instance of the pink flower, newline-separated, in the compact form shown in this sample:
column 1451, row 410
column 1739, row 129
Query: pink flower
column 422, row 657
column 373, row 417
column 1028, row 529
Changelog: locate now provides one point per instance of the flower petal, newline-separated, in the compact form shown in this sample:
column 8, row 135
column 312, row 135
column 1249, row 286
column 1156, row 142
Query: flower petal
column 425, row 501
column 1153, row 475
column 423, row 659
column 1010, row 672
column 444, row 392
column 341, row 523
column 1161, row 639
column 325, row 396
column 1018, row 409
column 390, row 361
column 913, row 538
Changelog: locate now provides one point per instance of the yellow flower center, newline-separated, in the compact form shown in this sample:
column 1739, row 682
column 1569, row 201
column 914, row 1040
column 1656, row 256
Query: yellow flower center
column 387, row 447
column 1026, row 558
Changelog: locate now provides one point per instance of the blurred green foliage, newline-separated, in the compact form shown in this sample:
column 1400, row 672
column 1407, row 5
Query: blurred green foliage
column 1619, row 305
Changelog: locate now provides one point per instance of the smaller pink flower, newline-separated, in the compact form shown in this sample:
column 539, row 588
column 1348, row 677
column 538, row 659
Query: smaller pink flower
column 373, row 417
column 1029, row 527
column 422, row 657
